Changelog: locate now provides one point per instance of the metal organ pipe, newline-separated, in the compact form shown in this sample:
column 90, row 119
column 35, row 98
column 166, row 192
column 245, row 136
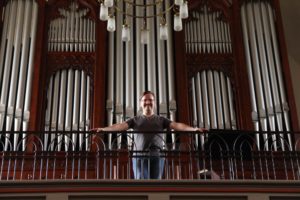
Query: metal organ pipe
column 47, row 116
column 119, row 71
column 68, row 109
column 257, row 74
column 150, row 53
column 212, row 100
column 119, row 112
column 82, row 110
column 219, row 108
column 263, row 68
column 72, row 32
column 30, row 63
column 207, row 123
column 193, row 36
column 139, row 60
column 199, row 107
column 129, row 112
column 225, row 101
column 15, row 68
column 278, row 69
column 255, row 114
column 110, row 91
column 23, row 68
column 87, row 108
column 151, row 65
column 264, row 34
column 171, row 87
column 194, row 99
column 7, row 64
column 207, row 33
column 15, row 72
column 61, row 114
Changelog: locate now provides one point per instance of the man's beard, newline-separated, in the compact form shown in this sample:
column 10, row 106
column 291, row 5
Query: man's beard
column 148, row 108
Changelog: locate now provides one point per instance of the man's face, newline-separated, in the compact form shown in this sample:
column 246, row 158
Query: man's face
column 147, row 103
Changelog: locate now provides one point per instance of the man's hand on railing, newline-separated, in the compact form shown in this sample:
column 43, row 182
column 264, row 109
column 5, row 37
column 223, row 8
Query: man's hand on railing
column 197, row 129
column 97, row 130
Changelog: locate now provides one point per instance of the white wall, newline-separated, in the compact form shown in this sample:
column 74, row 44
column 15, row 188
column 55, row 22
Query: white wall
column 291, row 23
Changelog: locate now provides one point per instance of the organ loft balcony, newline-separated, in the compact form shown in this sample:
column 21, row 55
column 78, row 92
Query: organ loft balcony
column 216, row 160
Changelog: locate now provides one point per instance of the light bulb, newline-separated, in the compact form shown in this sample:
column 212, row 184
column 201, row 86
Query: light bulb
column 109, row 3
column 125, row 33
column 111, row 24
column 144, row 36
column 178, row 2
column 183, row 10
column 103, row 15
column 163, row 32
column 177, row 22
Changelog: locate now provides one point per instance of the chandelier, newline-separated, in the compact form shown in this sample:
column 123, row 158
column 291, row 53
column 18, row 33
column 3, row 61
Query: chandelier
column 127, row 8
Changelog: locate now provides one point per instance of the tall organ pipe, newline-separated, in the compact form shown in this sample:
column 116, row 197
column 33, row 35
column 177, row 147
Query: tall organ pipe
column 255, row 117
column 7, row 64
column 257, row 74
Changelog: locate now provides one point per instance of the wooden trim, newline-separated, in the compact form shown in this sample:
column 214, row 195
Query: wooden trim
column 182, row 90
column 181, row 78
column 286, row 68
column 176, row 186
column 99, row 98
column 36, row 94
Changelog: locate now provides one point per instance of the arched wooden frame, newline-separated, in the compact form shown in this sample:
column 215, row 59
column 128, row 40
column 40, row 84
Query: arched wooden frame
column 188, row 64
column 76, row 61
column 46, row 63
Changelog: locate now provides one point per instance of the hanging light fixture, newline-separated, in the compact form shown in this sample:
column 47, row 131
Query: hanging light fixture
column 109, row 8
column 163, row 29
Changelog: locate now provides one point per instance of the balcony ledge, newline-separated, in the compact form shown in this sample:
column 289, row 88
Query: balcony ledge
column 166, row 186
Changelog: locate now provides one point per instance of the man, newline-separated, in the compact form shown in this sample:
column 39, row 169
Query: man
column 150, row 165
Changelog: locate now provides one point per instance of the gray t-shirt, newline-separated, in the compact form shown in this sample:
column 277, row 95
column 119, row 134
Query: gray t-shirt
column 155, row 123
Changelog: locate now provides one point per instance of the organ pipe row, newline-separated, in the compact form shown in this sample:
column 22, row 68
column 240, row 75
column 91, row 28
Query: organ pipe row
column 72, row 31
column 68, row 109
column 269, row 104
column 134, row 67
column 207, row 32
column 16, row 67
column 68, row 98
column 212, row 102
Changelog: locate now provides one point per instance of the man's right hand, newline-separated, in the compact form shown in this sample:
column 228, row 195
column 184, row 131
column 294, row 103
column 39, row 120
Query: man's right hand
column 97, row 129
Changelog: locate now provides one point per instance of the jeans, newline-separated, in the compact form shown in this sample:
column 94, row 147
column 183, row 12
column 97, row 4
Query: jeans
column 148, row 167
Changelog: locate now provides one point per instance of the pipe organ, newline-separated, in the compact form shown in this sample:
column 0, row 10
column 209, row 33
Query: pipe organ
column 134, row 67
column 72, row 32
column 270, row 110
column 16, row 69
column 69, row 87
column 207, row 34
column 229, row 58
column 68, row 109
column 212, row 102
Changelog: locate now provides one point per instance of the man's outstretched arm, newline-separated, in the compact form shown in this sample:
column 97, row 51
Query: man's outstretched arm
column 177, row 126
column 115, row 127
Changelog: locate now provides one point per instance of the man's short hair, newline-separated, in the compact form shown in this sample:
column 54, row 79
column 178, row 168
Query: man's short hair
column 147, row 92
